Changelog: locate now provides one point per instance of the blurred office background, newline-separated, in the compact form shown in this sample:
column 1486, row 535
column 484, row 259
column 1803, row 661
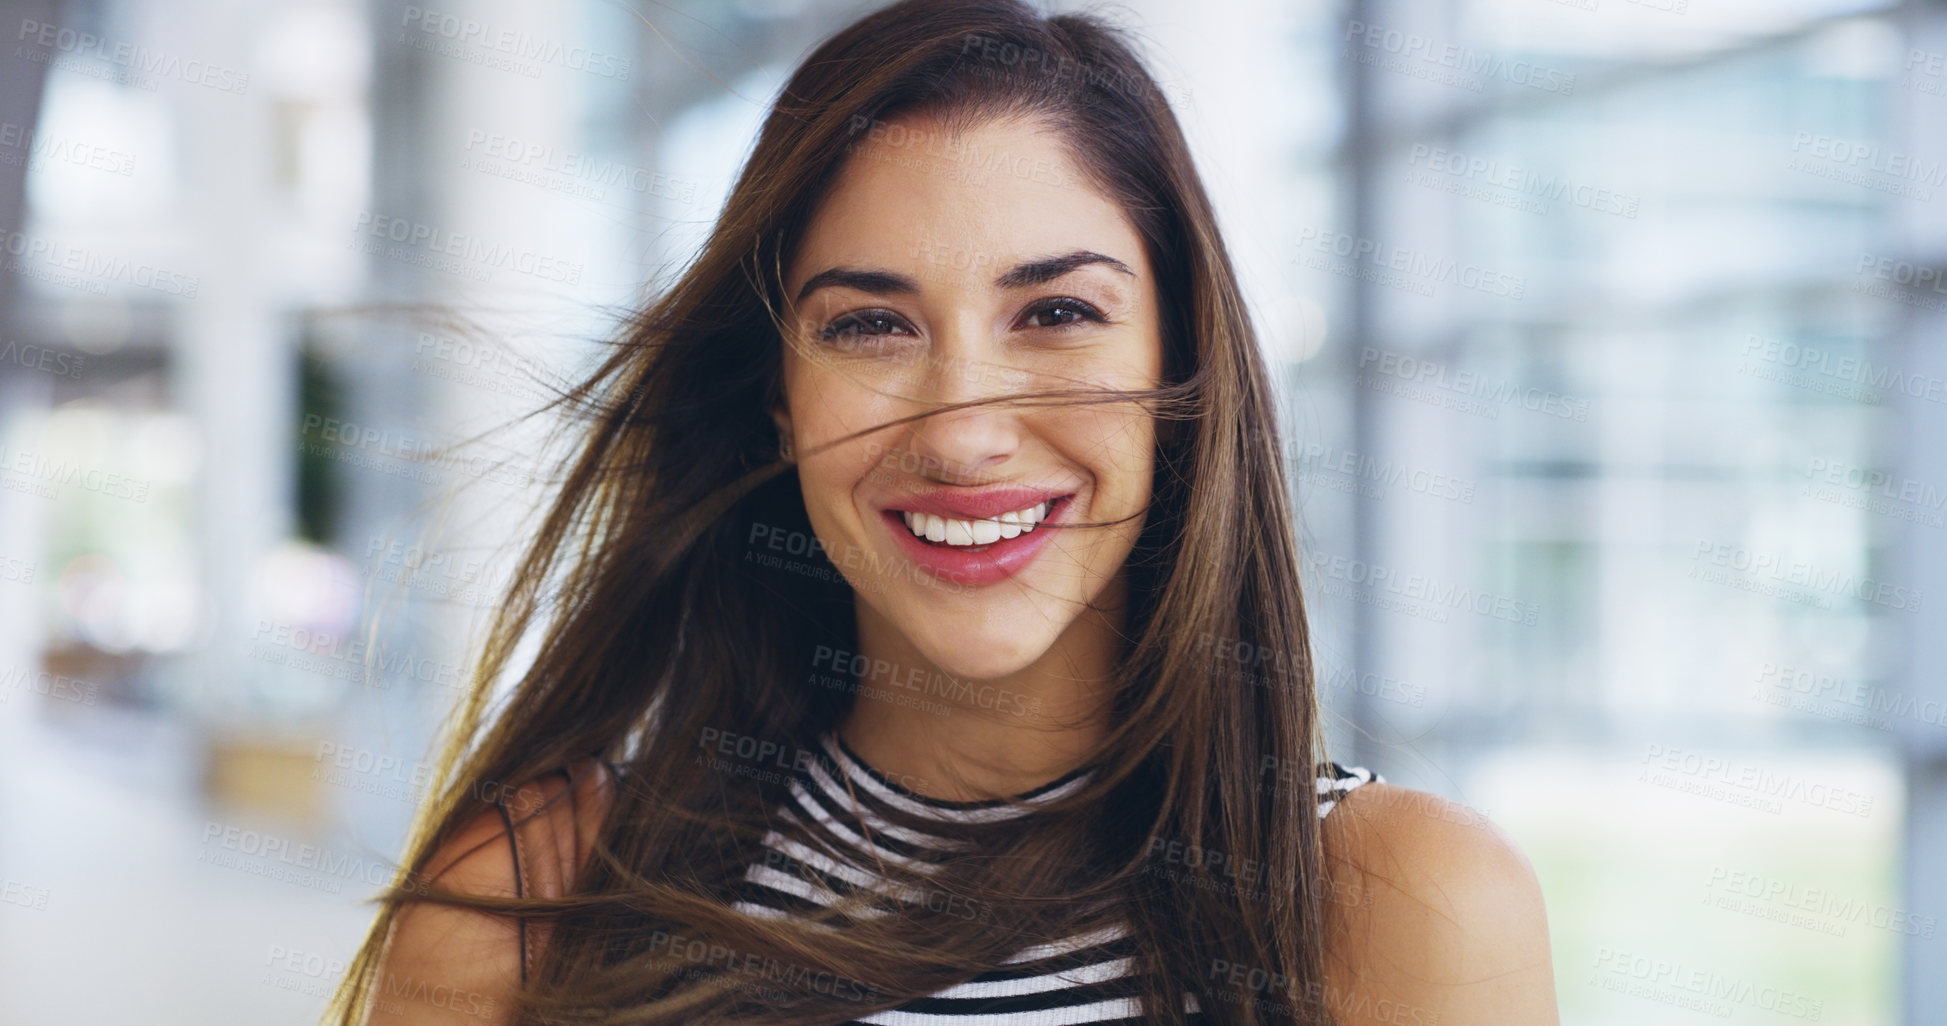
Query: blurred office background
column 1614, row 348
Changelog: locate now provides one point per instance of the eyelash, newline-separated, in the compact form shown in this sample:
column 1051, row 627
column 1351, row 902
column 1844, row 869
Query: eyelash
column 1083, row 312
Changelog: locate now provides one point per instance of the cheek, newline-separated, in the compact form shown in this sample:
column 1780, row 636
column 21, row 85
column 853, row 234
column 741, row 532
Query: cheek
column 839, row 401
column 1116, row 446
column 834, row 408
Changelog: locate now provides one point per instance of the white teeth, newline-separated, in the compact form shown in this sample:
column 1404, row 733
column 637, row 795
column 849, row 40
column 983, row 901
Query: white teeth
column 975, row 532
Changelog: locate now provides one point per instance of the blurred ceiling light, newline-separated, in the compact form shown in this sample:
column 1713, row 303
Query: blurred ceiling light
column 1302, row 335
column 163, row 447
column 315, row 51
column 1865, row 48
column 300, row 584
column 128, row 134
column 93, row 591
column 79, row 429
column 98, row 325
column 165, row 617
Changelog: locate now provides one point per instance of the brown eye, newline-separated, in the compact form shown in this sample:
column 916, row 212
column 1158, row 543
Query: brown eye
column 864, row 323
column 1060, row 313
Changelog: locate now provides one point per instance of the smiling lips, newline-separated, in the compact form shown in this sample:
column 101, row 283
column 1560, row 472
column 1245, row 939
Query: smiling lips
column 987, row 531
column 978, row 539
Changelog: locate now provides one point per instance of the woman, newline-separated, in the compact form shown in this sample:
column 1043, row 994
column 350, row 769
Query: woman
column 891, row 671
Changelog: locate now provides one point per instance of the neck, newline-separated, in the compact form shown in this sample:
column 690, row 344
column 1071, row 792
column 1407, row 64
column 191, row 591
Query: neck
column 976, row 739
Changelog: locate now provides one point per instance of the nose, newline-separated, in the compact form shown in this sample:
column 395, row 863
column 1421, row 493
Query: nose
column 968, row 446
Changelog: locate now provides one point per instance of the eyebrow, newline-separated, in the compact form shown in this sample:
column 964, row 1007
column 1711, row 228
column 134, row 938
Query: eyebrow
column 1033, row 272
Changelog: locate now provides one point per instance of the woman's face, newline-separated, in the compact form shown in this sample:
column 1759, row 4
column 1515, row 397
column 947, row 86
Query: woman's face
column 939, row 271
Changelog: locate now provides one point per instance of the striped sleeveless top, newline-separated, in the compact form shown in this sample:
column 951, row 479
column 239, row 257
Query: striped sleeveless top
column 1081, row 979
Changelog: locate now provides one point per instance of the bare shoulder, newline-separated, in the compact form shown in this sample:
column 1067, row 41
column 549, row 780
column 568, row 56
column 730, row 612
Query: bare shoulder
column 444, row 964
column 1436, row 917
column 555, row 819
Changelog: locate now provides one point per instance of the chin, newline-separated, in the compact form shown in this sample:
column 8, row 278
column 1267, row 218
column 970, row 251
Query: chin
column 980, row 654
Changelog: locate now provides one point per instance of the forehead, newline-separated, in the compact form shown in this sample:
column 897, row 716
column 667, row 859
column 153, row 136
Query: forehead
column 961, row 207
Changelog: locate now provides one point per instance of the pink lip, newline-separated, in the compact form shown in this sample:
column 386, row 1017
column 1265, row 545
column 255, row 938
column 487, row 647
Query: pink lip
column 993, row 563
column 981, row 505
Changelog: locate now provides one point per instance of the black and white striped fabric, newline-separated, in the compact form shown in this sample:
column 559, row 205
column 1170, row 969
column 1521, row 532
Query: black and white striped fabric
column 1081, row 979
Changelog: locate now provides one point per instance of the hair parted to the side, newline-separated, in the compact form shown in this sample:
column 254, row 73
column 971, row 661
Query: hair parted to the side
column 655, row 629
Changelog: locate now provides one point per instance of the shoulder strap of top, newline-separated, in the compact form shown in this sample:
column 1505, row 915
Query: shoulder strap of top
column 544, row 824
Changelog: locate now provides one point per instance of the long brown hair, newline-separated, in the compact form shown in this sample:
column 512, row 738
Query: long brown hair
column 657, row 631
